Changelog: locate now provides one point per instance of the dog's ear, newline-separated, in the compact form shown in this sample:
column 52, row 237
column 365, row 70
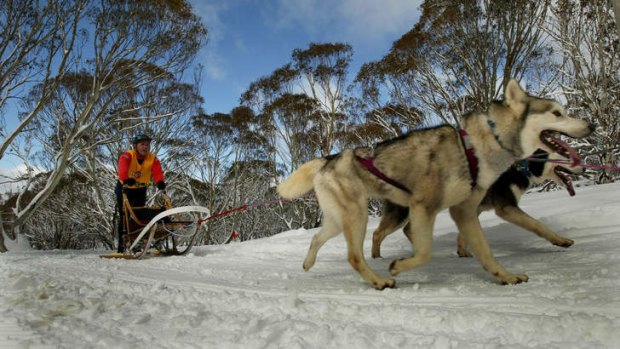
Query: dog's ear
column 514, row 94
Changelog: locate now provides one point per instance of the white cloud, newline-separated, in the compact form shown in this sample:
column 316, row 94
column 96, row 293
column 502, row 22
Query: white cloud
column 8, row 175
column 379, row 19
column 360, row 22
column 210, row 12
column 213, row 63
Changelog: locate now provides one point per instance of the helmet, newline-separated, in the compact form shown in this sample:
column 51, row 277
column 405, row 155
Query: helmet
column 141, row 137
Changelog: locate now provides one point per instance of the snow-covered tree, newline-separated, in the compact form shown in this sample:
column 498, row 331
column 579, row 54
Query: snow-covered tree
column 134, row 45
column 587, row 35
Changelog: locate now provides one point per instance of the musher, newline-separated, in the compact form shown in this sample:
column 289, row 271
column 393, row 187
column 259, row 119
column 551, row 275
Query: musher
column 136, row 168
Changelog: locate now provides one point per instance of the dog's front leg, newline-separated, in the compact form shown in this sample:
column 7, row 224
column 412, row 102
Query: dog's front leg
column 517, row 216
column 461, row 249
column 465, row 216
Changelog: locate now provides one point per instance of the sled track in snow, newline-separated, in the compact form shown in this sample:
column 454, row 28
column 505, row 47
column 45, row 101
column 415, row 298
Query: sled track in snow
column 501, row 305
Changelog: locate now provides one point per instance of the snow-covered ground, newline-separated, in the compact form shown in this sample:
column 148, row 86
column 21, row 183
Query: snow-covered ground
column 256, row 295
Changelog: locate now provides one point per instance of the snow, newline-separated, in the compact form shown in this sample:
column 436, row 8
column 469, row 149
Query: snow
column 255, row 294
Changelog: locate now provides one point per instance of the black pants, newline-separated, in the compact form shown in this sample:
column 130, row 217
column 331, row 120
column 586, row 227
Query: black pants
column 136, row 198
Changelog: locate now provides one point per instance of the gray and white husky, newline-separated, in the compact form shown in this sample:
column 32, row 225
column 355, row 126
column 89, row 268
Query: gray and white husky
column 430, row 170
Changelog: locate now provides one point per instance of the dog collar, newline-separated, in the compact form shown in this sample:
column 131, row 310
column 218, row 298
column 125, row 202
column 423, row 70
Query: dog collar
column 523, row 166
column 491, row 124
column 536, row 168
column 472, row 160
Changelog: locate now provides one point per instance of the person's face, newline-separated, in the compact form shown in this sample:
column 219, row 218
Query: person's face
column 143, row 147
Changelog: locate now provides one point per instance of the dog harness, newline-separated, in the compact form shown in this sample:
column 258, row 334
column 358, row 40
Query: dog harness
column 535, row 167
column 368, row 163
column 472, row 160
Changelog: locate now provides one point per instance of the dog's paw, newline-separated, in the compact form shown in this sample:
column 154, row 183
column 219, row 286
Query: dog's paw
column 384, row 283
column 308, row 265
column 394, row 267
column 463, row 252
column 511, row 279
column 564, row 242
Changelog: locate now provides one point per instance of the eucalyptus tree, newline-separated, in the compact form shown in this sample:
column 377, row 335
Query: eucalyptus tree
column 324, row 69
column 132, row 46
column 300, row 113
column 37, row 46
column 456, row 59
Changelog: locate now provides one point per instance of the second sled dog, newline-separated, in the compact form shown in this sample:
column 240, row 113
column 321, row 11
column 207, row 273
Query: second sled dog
column 503, row 196
column 430, row 170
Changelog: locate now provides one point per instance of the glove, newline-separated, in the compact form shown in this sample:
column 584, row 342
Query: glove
column 129, row 181
column 161, row 185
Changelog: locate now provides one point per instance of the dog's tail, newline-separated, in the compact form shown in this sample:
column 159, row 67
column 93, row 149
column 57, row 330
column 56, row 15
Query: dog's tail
column 300, row 181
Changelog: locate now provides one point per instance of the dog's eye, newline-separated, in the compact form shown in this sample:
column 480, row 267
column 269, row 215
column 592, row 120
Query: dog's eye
column 557, row 113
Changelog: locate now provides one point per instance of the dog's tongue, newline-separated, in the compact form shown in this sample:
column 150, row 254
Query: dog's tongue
column 566, row 180
column 571, row 152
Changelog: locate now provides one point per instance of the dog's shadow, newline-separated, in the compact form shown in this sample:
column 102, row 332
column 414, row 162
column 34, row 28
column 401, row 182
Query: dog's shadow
column 512, row 246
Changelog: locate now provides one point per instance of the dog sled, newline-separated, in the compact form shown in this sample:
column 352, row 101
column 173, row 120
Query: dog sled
column 158, row 230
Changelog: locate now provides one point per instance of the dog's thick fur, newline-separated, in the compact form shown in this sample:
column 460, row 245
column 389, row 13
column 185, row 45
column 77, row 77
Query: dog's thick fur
column 432, row 164
column 503, row 196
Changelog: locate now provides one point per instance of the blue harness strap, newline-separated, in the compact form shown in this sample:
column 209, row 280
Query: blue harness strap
column 523, row 166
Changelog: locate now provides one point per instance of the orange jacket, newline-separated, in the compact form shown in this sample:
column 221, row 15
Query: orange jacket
column 141, row 168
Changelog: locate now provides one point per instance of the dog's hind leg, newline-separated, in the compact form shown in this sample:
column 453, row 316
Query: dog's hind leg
column 466, row 218
column 354, row 227
column 461, row 249
column 329, row 230
column 393, row 218
column 517, row 216
column 420, row 232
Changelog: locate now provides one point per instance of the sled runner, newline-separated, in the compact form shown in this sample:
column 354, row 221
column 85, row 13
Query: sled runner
column 158, row 230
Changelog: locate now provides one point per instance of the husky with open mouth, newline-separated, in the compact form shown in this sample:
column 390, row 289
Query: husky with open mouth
column 430, row 170
column 503, row 197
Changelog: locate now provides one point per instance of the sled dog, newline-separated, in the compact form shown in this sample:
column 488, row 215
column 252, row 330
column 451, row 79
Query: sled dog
column 503, row 196
column 430, row 170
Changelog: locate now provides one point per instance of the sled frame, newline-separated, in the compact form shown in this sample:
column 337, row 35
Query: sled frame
column 169, row 236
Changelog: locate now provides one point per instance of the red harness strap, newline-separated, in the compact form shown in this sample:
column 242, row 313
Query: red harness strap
column 472, row 160
column 368, row 163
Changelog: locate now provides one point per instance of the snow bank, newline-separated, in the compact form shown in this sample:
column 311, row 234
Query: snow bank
column 256, row 295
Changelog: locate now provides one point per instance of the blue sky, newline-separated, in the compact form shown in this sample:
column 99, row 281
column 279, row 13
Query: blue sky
column 249, row 39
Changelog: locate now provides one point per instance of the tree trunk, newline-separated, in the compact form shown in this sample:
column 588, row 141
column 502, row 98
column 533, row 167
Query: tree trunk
column 616, row 4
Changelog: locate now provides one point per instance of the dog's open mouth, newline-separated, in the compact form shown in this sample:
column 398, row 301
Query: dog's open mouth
column 564, row 174
column 559, row 146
